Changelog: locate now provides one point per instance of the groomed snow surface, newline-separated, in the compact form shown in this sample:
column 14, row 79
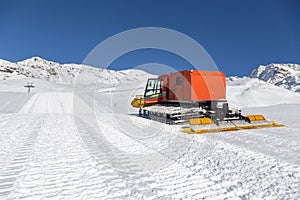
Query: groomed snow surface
column 103, row 150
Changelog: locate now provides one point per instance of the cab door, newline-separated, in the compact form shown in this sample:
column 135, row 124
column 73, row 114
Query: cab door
column 153, row 91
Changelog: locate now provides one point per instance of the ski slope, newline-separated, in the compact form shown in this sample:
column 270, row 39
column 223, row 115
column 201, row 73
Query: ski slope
column 107, row 152
column 252, row 92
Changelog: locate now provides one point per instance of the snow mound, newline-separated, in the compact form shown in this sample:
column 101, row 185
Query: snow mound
column 283, row 75
column 252, row 92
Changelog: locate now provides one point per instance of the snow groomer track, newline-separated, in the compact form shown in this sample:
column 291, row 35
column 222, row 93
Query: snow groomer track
column 46, row 153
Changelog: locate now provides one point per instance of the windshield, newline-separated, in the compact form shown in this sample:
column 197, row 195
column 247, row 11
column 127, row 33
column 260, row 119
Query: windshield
column 153, row 87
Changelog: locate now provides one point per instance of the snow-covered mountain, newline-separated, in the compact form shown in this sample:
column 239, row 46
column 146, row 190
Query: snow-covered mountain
column 252, row 92
column 283, row 75
column 39, row 68
column 259, row 90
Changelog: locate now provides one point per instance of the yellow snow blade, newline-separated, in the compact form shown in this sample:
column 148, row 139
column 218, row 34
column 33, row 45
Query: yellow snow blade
column 274, row 124
column 255, row 117
column 199, row 121
column 138, row 102
column 198, row 126
column 213, row 130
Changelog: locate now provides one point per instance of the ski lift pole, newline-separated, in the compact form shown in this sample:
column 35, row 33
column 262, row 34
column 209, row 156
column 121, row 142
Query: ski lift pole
column 29, row 85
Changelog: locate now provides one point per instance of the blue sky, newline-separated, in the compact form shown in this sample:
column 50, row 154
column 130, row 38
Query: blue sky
column 238, row 34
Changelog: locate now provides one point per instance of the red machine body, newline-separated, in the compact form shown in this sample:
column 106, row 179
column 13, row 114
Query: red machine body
column 187, row 86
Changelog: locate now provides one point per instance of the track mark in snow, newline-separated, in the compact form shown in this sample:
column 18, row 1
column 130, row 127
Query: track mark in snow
column 182, row 169
column 11, row 171
column 270, row 141
column 123, row 168
column 49, row 102
column 13, row 134
column 231, row 172
column 61, row 167
column 5, row 118
column 61, row 163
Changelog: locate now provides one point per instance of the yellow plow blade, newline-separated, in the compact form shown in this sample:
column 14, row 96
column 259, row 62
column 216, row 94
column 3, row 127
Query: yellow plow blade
column 255, row 117
column 200, row 121
column 138, row 102
column 205, row 125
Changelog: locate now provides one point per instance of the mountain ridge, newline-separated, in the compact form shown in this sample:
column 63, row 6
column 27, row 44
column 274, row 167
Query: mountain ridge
column 40, row 68
column 283, row 75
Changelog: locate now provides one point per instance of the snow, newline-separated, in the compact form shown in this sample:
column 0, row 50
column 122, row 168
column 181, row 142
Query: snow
column 249, row 92
column 108, row 152
column 284, row 75
column 50, row 71
column 49, row 102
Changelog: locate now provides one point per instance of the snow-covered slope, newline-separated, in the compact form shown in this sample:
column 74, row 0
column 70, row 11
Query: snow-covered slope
column 283, row 75
column 38, row 68
column 252, row 92
column 47, row 151
column 241, row 92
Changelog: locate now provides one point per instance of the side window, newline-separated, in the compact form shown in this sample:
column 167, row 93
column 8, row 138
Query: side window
column 179, row 80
